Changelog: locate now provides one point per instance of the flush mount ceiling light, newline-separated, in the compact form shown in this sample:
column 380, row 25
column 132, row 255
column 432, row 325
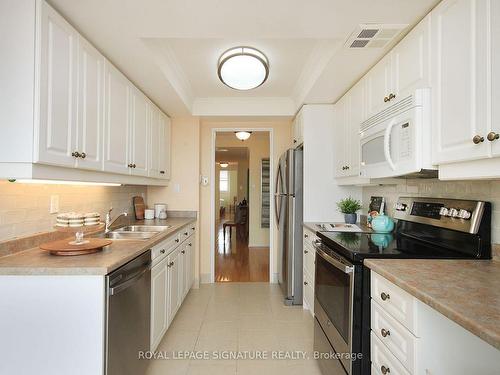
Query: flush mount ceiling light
column 243, row 68
column 223, row 164
column 243, row 135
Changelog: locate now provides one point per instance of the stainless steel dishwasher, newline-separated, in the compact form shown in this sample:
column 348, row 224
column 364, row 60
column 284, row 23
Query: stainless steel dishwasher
column 128, row 316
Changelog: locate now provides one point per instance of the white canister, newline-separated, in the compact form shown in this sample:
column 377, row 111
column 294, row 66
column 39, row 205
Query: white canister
column 149, row 214
column 160, row 210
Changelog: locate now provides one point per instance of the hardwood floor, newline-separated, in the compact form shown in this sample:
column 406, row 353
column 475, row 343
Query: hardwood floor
column 234, row 262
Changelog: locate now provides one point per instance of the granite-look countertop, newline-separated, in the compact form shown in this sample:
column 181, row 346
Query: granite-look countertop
column 38, row 262
column 465, row 291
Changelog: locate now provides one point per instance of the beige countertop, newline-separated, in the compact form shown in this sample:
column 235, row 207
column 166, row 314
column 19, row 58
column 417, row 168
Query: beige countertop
column 38, row 262
column 465, row 291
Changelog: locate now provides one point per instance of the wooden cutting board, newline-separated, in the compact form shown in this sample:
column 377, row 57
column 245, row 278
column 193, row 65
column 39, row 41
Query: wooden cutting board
column 65, row 247
column 139, row 207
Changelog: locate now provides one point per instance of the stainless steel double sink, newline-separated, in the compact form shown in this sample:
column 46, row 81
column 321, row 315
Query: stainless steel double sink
column 135, row 232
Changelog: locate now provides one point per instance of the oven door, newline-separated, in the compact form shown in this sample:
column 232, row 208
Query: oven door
column 334, row 296
column 391, row 147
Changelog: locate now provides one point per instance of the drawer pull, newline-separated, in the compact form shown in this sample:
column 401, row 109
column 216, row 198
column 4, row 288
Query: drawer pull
column 385, row 296
column 162, row 251
column 190, row 244
column 306, row 236
column 385, row 370
column 385, row 332
column 183, row 251
column 186, row 233
column 177, row 240
column 193, row 228
column 305, row 251
column 305, row 282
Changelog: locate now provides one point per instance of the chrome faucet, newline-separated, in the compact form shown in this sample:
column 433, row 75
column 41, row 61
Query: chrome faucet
column 109, row 221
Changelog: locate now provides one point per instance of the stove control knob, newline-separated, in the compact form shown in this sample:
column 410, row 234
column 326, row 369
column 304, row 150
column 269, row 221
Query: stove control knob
column 464, row 214
column 443, row 211
column 453, row 212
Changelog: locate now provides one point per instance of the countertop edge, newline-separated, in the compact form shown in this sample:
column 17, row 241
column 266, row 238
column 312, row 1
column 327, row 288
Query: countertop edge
column 453, row 315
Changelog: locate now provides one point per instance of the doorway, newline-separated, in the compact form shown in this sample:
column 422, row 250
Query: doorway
column 242, row 208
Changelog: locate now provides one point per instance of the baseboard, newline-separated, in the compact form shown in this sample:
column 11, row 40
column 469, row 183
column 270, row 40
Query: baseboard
column 258, row 247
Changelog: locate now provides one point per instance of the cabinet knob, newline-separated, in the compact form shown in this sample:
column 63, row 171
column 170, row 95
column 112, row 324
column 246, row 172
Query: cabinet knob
column 83, row 155
column 385, row 370
column 75, row 154
column 183, row 251
column 477, row 139
column 177, row 240
column 305, row 251
column 385, row 296
column 133, row 165
column 306, row 235
column 190, row 244
column 305, row 283
column 130, row 165
column 385, row 332
column 162, row 172
column 492, row 136
column 391, row 96
column 186, row 233
column 162, row 251
column 193, row 228
column 294, row 141
column 386, row 99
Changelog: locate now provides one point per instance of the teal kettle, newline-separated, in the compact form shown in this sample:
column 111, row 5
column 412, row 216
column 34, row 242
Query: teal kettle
column 382, row 224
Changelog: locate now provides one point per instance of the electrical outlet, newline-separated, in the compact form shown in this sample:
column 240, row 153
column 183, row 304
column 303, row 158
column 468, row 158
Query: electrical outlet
column 54, row 204
column 204, row 180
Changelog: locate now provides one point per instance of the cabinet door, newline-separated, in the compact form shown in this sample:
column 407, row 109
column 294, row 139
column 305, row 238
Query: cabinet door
column 154, row 123
column 187, row 265
column 495, row 75
column 90, row 106
column 159, row 295
column 341, row 150
column 173, row 284
column 355, row 118
column 459, row 84
column 298, row 130
column 378, row 86
column 164, row 146
column 117, row 121
column 55, row 133
column 182, row 268
column 411, row 60
column 139, row 133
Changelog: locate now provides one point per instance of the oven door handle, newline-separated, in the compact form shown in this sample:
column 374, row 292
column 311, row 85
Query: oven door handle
column 334, row 262
column 387, row 144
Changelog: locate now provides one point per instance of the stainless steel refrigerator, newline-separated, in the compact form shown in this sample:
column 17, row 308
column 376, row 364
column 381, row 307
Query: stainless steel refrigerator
column 288, row 201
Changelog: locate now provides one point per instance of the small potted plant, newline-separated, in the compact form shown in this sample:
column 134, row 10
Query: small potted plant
column 349, row 206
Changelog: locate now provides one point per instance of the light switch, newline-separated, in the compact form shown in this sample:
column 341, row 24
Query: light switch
column 177, row 188
column 54, row 204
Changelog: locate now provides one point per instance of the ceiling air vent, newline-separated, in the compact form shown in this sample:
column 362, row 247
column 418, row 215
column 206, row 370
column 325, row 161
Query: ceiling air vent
column 373, row 35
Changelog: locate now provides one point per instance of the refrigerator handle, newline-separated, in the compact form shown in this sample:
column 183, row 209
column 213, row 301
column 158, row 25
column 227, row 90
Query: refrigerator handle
column 277, row 195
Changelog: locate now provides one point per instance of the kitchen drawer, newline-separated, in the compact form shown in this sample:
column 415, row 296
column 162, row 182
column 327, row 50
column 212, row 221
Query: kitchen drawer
column 187, row 231
column 308, row 292
column 400, row 342
column 309, row 255
column 395, row 301
column 161, row 250
column 383, row 359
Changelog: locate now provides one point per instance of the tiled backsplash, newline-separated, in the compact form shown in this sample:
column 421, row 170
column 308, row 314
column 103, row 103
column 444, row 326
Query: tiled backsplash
column 477, row 190
column 24, row 208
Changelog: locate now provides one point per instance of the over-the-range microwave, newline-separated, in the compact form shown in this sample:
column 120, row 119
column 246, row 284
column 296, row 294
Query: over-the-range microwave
column 397, row 141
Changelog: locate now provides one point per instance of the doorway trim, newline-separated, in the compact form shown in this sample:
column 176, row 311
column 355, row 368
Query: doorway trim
column 272, row 277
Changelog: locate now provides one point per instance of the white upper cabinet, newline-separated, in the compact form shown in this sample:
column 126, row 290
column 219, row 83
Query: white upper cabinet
column 495, row 79
column 298, row 130
column 349, row 113
column 378, row 86
column 90, row 121
column 460, row 80
column 116, row 129
column 139, row 133
column 411, row 61
column 55, row 136
column 164, row 146
column 401, row 71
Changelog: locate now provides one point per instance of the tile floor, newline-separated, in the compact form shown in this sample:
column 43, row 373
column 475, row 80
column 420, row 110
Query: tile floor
column 237, row 317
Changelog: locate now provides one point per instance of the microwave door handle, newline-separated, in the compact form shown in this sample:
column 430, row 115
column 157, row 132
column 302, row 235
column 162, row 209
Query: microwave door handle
column 387, row 144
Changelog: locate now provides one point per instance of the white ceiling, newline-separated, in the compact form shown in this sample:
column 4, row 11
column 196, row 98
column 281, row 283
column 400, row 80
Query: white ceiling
column 170, row 48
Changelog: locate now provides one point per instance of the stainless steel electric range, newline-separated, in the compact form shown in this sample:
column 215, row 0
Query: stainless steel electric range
column 433, row 228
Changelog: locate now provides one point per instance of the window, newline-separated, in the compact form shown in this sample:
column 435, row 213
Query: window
column 224, row 181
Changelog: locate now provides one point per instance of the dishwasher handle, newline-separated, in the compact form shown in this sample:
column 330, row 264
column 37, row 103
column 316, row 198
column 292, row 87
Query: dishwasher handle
column 127, row 283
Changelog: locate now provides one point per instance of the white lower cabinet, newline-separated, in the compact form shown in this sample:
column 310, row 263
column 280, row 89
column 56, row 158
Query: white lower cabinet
column 309, row 256
column 172, row 276
column 410, row 337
